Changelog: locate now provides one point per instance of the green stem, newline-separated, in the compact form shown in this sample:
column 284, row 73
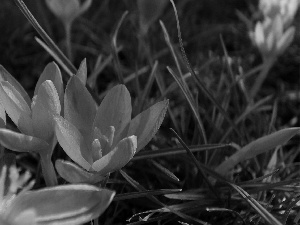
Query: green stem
column 68, row 40
column 268, row 63
column 48, row 170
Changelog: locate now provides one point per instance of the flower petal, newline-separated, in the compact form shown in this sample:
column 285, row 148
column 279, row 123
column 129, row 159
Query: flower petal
column 64, row 204
column 26, row 217
column 6, row 76
column 285, row 40
column 82, row 72
column 146, row 124
column 117, row 158
column 75, row 174
column 2, row 116
column 47, row 105
column 65, row 10
column 84, row 6
column 51, row 72
column 115, row 110
column 20, row 142
column 16, row 107
column 80, row 107
column 73, row 143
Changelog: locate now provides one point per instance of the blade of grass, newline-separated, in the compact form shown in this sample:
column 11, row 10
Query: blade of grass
column 182, row 84
column 139, row 187
column 175, row 151
column 165, row 171
column 198, row 165
column 216, row 209
column 234, row 90
column 55, row 56
column 141, row 194
column 161, row 88
column 247, row 111
column 148, row 86
column 256, row 147
column 265, row 214
column 191, row 102
column 115, row 48
column 198, row 81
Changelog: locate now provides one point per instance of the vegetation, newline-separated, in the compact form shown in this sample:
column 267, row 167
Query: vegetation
column 163, row 112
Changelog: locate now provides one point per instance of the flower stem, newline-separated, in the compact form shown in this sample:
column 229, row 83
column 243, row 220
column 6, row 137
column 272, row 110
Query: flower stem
column 68, row 40
column 48, row 170
column 268, row 63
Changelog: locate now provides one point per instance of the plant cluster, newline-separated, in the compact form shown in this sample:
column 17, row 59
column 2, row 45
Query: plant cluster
column 224, row 160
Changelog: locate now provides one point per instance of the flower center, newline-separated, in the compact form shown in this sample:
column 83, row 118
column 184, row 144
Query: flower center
column 101, row 144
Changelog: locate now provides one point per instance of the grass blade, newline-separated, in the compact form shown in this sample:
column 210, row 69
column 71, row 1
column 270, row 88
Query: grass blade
column 191, row 102
column 198, row 81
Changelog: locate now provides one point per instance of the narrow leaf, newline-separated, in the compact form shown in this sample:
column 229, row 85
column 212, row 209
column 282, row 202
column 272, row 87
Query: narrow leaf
column 191, row 101
column 258, row 146
column 165, row 170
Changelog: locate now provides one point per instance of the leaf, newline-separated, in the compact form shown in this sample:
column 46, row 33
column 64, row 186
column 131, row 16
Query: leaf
column 114, row 110
column 267, row 216
column 73, row 143
column 80, row 108
column 51, row 72
column 117, row 158
column 20, row 142
column 15, row 106
column 146, row 124
column 64, row 204
column 6, row 76
column 46, row 105
column 165, row 170
column 74, row 174
column 82, row 72
column 258, row 146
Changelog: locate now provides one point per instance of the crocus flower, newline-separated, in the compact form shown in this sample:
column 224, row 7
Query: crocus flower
column 270, row 37
column 102, row 139
column 286, row 9
column 68, row 10
column 149, row 12
column 34, row 119
column 60, row 205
